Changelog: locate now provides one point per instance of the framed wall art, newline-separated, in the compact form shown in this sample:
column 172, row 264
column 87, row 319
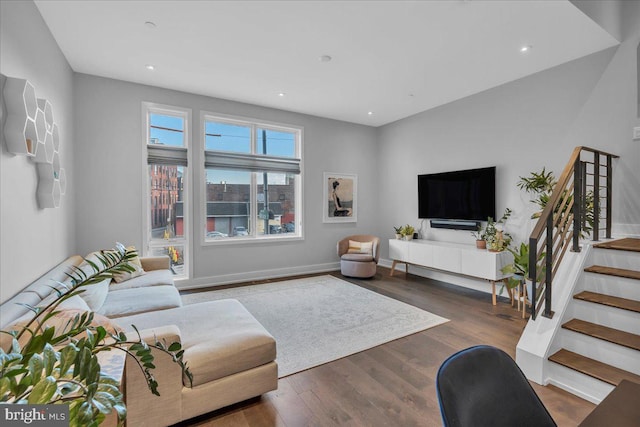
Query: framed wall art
column 340, row 196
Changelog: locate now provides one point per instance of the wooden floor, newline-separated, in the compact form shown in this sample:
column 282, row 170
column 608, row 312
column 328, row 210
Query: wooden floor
column 394, row 384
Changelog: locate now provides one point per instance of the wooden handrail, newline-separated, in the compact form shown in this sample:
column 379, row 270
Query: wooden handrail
column 567, row 205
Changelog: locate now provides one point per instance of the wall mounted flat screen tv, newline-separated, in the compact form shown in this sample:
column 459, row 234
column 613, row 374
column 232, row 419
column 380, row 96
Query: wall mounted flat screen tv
column 460, row 195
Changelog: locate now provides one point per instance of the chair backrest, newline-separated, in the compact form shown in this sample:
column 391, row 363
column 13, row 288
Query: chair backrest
column 343, row 245
column 483, row 386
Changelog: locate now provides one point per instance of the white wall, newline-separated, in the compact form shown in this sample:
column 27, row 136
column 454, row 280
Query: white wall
column 521, row 127
column 33, row 240
column 109, row 168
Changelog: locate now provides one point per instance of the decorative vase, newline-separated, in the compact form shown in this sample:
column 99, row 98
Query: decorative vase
column 481, row 244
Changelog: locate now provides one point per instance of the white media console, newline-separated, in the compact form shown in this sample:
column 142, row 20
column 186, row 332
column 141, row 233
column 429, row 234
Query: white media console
column 454, row 258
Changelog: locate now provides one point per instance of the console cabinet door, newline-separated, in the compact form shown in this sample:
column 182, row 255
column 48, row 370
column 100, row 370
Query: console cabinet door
column 398, row 250
column 479, row 263
column 448, row 259
column 420, row 253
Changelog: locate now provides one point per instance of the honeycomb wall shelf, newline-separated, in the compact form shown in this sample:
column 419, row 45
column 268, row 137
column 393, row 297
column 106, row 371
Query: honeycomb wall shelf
column 21, row 107
column 21, row 136
column 30, row 130
column 46, row 107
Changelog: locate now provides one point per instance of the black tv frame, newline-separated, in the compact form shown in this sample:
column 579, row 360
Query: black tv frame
column 458, row 222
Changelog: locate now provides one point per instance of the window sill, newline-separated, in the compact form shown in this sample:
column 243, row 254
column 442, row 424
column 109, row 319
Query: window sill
column 249, row 240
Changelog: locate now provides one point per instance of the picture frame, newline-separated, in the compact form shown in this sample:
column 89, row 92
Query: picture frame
column 339, row 189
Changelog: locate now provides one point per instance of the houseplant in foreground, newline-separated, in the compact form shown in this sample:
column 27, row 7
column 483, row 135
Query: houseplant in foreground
column 55, row 362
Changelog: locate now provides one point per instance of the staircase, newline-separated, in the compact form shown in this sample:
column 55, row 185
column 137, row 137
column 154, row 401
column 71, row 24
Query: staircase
column 599, row 342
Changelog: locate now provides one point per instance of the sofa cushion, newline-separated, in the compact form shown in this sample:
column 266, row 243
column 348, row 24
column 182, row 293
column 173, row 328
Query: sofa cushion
column 220, row 338
column 96, row 294
column 357, row 257
column 131, row 301
column 150, row 278
column 133, row 262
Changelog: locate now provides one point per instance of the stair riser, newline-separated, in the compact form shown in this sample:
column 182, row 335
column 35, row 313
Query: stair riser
column 610, row 285
column 623, row 320
column 576, row 383
column 617, row 259
column 602, row 351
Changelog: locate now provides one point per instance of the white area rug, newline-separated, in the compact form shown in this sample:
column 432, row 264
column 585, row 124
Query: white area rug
column 319, row 319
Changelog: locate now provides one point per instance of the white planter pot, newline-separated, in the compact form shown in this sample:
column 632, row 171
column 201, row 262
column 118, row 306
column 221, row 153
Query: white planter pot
column 529, row 285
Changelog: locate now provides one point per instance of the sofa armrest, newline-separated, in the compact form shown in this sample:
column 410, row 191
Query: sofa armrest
column 143, row 407
column 150, row 263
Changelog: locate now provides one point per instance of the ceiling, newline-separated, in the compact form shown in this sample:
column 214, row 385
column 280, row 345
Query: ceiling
column 391, row 58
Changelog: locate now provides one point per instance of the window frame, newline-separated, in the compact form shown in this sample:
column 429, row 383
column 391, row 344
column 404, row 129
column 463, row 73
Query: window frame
column 253, row 124
column 186, row 240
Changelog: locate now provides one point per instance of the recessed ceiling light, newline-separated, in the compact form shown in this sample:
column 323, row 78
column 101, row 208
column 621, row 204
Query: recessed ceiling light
column 525, row 49
column 281, row 94
column 149, row 67
column 370, row 113
column 150, row 24
column 325, row 58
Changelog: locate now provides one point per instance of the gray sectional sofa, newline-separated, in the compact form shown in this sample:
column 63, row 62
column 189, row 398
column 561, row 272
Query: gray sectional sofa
column 230, row 354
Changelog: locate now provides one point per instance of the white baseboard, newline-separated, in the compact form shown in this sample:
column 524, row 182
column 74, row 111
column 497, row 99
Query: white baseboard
column 227, row 279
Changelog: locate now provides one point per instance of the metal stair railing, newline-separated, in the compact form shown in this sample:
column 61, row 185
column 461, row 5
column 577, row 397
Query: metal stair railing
column 573, row 211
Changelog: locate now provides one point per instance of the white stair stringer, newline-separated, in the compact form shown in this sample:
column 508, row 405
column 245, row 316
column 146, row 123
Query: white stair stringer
column 534, row 345
column 531, row 354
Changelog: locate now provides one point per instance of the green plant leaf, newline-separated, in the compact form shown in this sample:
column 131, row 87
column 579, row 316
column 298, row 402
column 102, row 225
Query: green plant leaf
column 67, row 357
column 50, row 358
column 36, row 366
column 43, row 391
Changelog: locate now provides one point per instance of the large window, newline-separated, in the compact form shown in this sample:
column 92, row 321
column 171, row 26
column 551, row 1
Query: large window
column 252, row 179
column 167, row 142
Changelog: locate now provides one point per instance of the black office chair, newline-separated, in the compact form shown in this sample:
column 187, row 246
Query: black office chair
column 483, row 386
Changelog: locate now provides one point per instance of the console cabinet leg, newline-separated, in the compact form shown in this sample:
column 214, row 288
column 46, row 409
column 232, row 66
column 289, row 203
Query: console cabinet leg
column 493, row 292
column 393, row 267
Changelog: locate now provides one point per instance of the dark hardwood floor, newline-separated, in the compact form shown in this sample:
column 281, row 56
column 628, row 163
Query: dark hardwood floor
column 394, row 384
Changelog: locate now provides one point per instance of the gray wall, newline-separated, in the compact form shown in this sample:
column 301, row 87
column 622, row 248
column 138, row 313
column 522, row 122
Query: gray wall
column 521, row 127
column 109, row 169
column 591, row 101
column 33, row 240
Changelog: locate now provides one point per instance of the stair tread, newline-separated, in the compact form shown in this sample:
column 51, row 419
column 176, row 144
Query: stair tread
column 609, row 300
column 592, row 367
column 627, row 244
column 611, row 271
column 612, row 335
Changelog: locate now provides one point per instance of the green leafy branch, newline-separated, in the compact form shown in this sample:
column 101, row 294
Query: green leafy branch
column 62, row 367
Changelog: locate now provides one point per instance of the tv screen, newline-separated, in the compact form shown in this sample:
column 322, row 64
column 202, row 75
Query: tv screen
column 463, row 195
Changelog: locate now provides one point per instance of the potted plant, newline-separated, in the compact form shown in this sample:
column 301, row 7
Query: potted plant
column 398, row 231
column 541, row 185
column 497, row 240
column 47, row 364
column 479, row 235
column 519, row 268
column 407, row 231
